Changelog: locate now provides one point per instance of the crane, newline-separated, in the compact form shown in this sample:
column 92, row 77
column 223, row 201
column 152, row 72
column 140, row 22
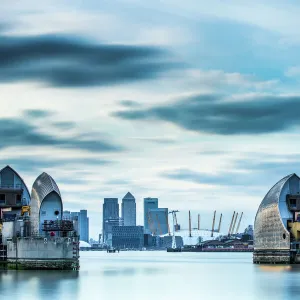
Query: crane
column 176, row 223
column 173, row 212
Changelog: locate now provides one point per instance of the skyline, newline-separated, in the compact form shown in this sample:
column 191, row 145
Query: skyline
column 194, row 103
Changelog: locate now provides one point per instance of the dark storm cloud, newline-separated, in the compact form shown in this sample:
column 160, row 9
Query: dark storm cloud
column 16, row 132
column 71, row 62
column 214, row 114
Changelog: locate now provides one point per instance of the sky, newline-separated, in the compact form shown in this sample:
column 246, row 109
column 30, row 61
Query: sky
column 194, row 102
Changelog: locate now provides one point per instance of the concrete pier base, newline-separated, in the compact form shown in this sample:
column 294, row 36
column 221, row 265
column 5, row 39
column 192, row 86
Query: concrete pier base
column 38, row 253
column 272, row 257
column 43, row 264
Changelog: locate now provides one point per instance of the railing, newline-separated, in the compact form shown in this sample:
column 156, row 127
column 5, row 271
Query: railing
column 17, row 186
column 58, row 225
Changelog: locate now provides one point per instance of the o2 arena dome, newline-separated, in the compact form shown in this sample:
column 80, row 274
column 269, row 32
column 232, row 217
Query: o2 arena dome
column 277, row 224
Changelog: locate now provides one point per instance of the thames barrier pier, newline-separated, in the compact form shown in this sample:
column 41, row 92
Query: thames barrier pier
column 33, row 234
column 277, row 224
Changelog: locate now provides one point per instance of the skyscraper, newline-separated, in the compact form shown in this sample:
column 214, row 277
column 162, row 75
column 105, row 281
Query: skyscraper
column 129, row 210
column 149, row 203
column 110, row 215
column 83, row 225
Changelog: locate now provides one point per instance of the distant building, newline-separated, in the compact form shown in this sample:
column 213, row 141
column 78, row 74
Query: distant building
column 129, row 210
column 249, row 230
column 80, row 223
column 84, row 225
column 110, row 216
column 159, row 220
column 109, row 224
column 130, row 237
column 149, row 203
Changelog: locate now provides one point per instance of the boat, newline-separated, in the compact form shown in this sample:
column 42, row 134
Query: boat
column 112, row 250
column 173, row 249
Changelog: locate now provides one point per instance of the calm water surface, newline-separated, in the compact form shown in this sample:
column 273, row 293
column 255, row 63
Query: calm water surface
column 156, row 276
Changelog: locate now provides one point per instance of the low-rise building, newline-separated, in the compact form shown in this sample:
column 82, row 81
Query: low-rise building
column 130, row 237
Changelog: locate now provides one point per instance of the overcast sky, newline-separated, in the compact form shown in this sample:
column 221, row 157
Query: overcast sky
column 194, row 102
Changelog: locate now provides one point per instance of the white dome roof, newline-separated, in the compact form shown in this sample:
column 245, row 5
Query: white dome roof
column 83, row 244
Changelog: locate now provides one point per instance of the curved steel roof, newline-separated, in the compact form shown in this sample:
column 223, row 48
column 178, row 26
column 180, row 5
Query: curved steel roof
column 273, row 195
column 9, row 167
column 270, row 228
column 42, row 186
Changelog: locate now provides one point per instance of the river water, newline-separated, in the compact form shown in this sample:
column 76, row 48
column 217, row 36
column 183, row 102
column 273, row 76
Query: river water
column 143, row 275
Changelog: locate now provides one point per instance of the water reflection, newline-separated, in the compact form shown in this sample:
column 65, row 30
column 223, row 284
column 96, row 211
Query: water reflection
column 156, row 275
column 36, row 284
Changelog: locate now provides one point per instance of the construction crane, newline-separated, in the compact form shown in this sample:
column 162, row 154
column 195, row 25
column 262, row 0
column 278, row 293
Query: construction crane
column 173, row 212
column 229, row 231
column 25, row 209
column 158, row 224
column 176, row 223
column 219, row 227
column 232, row 229
column 238, row 226
column 167, row 218
column 213, row 224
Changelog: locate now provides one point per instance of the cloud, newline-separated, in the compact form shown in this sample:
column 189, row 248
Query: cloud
column 129, row 103
column 214, row 114
column 156, row 140
column 70, row 62
column 119, row 182
column 292, row 71
column 64, row 125
column 203, row 178
column 37, row 113
column 17, row 132
column 30, row 164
